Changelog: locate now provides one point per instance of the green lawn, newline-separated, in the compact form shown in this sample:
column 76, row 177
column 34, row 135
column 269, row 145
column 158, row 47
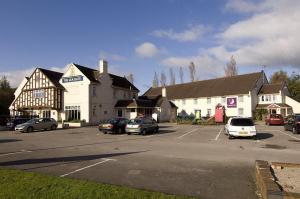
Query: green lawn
column 15, row 184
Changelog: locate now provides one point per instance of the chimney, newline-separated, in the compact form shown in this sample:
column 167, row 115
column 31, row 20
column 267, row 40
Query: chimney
column 164, row 92
column 103, row 66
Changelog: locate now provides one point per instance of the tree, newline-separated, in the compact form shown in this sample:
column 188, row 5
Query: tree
column 163, row 79
column 231, row 69
column 172, row 77
column 192, row 69
column 4, row 83
column 130, row 78
column 155, row 81
column 279, row 77
column 181, row 74
column 293, row 83
column 6, row 96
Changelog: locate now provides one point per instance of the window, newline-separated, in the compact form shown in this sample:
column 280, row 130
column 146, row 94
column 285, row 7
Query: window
column 94, row 91
column 183, row 102
column 223, row 100
column 241, row 98
column 72, row 113
column 208, row 112
column 262, row 98
column 240, row 111
column 120, row 113
column 208, row 100
column 38, row 93
column 274, row 98
column 195, row 101
column 124, row 94
column 94, row 111
column 46, row 114
column 132, row 110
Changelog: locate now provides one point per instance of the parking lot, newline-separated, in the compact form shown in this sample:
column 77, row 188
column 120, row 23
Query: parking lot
column 182, row 159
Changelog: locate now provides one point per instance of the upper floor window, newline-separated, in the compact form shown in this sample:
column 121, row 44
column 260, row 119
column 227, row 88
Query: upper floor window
column 274, row 98
column 94, row 91
column 208, row 100
column 195, row 101
column 240, row 111
column 241, row 98
column 262, row 98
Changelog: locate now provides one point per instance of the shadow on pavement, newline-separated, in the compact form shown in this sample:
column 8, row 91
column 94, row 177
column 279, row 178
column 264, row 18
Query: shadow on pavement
column 9, row 140
column 263, row 136
column 64, row 159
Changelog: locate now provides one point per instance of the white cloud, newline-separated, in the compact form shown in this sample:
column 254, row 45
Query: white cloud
column 147, row 50
column 111, row 56
column 267, row 38
column 193, row 33
column 15, row 77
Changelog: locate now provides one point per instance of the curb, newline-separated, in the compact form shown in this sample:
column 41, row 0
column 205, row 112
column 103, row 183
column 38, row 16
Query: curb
column 266, row 183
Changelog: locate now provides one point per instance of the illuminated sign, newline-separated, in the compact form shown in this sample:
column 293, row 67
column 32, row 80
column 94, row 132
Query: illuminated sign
column 231, row 102
column 72, row 79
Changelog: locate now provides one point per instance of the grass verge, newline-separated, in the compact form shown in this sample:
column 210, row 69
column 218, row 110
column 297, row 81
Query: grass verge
column 15, row 184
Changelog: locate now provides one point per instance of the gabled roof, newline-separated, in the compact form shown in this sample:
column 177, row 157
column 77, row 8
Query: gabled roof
column 53, row 76
column 239, row 84
column 143, row 102
column 271, row 88
column 118, row 81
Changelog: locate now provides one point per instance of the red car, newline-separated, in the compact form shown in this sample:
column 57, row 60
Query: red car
column 274, row 119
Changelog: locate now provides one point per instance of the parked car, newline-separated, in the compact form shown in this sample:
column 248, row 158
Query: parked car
column 293, row 124
column 11, row 124
column 37, row 124
column 115, row 125
column 240, row 127
column 274, row 119
column 142, row 126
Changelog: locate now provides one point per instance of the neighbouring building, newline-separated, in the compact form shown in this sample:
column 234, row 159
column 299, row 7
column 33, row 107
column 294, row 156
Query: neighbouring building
column 240, row 95
column 157, row 106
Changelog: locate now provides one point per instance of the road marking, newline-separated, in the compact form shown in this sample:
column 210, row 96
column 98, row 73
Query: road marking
column 12, row 153
column 217, row 137
column 92, row 165
column 187, row 133
column 288, row 135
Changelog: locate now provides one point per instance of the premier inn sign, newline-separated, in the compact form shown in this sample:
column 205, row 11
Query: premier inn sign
column 72, row 79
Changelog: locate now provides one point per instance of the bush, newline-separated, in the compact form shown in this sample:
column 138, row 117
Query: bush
column 259, row 114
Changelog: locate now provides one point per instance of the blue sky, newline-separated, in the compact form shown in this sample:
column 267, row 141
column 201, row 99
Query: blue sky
column 142, row 37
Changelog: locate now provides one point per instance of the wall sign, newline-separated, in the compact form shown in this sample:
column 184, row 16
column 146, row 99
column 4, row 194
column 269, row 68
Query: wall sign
column 72, row 79
column 231, row 102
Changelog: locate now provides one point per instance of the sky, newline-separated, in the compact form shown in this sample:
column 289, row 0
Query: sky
column 147, row 36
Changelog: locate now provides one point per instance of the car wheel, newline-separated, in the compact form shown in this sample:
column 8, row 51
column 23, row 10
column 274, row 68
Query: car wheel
column 29, row 129
column 144, row 132
column 254, row 137
column 128, row 133
column 120, row 131
column 105, row 132
column 156, row 130
column 230, row 137
column 294, row 130
column 53, row 127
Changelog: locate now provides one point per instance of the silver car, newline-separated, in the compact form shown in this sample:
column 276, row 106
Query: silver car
column 37, row 124
column 141, row 126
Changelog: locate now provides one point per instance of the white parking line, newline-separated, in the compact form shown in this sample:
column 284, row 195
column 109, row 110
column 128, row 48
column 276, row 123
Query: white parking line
column 217, row 137
column 13, row 153
column 77, row 170
column 288, row 135
column 187, row 133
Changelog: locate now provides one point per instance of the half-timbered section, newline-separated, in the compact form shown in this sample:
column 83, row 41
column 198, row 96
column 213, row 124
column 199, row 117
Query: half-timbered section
column 40, row 96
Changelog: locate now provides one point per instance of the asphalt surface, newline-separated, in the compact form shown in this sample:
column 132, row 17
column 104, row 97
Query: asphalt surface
column 182, row 159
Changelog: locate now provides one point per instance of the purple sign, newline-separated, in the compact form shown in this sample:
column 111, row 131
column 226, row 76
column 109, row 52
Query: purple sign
column 231, row 102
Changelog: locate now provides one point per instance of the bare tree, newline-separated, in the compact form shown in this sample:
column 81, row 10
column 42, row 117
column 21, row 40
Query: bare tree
column 231, row 69
column 172, row 77
column 163, row 79
column 130, row 78
column 192, row 69
column 155, row 81
column 181, row 74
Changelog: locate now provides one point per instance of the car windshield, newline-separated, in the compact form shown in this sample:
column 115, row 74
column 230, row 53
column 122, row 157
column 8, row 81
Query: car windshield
column 276, row 116
column 242, row 122
column 32, row 121
column 135, row 121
